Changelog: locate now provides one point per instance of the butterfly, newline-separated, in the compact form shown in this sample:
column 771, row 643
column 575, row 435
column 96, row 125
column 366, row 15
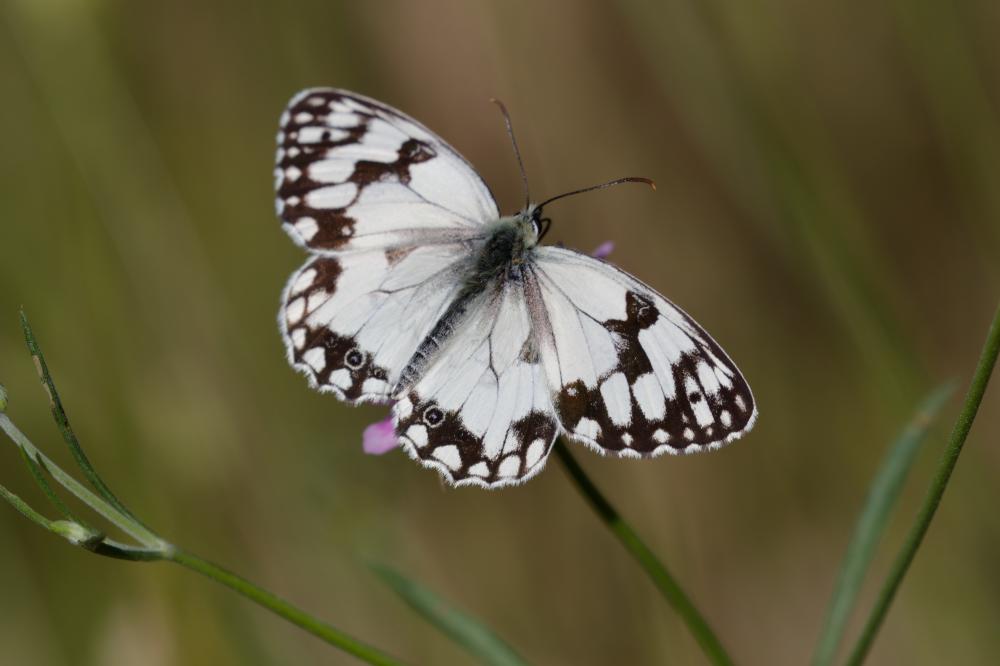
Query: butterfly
column 418, row 292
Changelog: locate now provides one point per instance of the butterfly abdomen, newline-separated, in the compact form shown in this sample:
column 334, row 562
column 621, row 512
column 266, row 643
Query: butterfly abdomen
column 432, row 343
column 500, row 256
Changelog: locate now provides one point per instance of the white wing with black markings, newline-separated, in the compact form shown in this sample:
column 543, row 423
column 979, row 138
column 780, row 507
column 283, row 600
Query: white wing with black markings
column 392, row 214
column 351, row 322
column 631, row 374
column 352, row 173
column 482, row 414
column 416, row 291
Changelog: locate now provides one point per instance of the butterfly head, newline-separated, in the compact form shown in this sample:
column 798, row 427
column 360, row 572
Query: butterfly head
column 536, row 225
column 540, row 224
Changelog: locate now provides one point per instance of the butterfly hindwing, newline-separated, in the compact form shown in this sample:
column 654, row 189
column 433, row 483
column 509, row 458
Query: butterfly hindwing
column 351, row 322
column 631, row 373
column 352, row 173
column 481, row 414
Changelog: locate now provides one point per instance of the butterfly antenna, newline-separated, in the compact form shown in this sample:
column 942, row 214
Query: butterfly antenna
column 610, row 183
column 517, row 153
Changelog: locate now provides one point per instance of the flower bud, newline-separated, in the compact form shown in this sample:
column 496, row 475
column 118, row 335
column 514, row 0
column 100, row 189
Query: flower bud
column 76, row 534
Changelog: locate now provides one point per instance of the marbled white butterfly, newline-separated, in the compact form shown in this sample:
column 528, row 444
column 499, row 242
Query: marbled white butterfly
column 419, row 292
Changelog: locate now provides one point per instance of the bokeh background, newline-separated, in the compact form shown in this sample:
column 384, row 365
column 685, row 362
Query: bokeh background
column 827, row 206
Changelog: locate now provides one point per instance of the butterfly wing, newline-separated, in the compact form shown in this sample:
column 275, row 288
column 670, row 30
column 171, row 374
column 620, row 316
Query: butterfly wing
column 351, row 322
column 392, row 213
column 632, row 374
column 353, row 173
column 482, row 414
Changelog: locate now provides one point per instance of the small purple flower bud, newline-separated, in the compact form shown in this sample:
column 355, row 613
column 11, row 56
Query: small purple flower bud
column 379, row 438
column 603, row 250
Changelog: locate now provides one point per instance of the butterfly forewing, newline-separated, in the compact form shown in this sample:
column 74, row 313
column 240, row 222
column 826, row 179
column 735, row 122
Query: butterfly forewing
column 631, row 373
column 352, row 173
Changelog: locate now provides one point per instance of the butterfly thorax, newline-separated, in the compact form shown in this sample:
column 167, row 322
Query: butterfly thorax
column 506, row 249
column 500, row 259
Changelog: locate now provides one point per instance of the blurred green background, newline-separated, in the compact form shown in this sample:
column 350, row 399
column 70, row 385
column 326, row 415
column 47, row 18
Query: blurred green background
column 827, row 206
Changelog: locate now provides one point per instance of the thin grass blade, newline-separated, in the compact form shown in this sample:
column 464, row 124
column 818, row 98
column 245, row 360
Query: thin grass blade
column 39, row 474
column 478, row 639
column 62, row 421
column 882, row 496
column 665, row 582
column 970, row 407
column 125, row 523
column 22, row 507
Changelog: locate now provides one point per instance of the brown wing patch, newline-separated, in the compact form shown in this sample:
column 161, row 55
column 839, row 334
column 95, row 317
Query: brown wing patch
column 618, row 416
column 439, row 438
column 306, row 138
column 332, row 362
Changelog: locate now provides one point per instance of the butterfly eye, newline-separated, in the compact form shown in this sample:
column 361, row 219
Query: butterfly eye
column 542, row 225
column 433, row 417
column 354, row 359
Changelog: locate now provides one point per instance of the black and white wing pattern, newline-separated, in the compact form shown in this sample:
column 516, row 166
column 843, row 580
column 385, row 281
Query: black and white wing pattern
column 417, row 291
column 391, row 214
column 353, row 173
column 351, row 322
column 631, row 374
column 482, row 413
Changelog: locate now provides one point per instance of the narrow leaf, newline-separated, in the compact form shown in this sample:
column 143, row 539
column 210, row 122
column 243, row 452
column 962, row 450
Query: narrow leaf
column 478, row 639
column 25, row 510
column 62, row 421
column 38, row 472
column 123, row 522
column 882, row 496
column 970, row 407
column 654, row 567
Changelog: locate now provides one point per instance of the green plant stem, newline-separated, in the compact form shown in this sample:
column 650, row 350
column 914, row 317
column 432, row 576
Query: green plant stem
column 151, row 547
column 25, row 510
column 155, row 548
column 883, row 493
column 62, row 421
column 668, row 587
column 122, row 521
column 283, row 609
column 38, row 474
column 974, row 397
column 467, row 631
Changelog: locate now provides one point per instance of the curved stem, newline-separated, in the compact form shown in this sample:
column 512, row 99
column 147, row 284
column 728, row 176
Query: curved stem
column 661, row 577
column 62, row 422
column 151, row 547
column 973, row 398
column 883, row 493
column 113, row 514
column 283, row 609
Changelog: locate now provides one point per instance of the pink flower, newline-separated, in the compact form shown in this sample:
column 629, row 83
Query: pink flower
column 379, row 438
column 603, row 250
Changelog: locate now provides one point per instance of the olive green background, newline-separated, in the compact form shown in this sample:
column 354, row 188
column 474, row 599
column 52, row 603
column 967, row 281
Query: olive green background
column 827, row 206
